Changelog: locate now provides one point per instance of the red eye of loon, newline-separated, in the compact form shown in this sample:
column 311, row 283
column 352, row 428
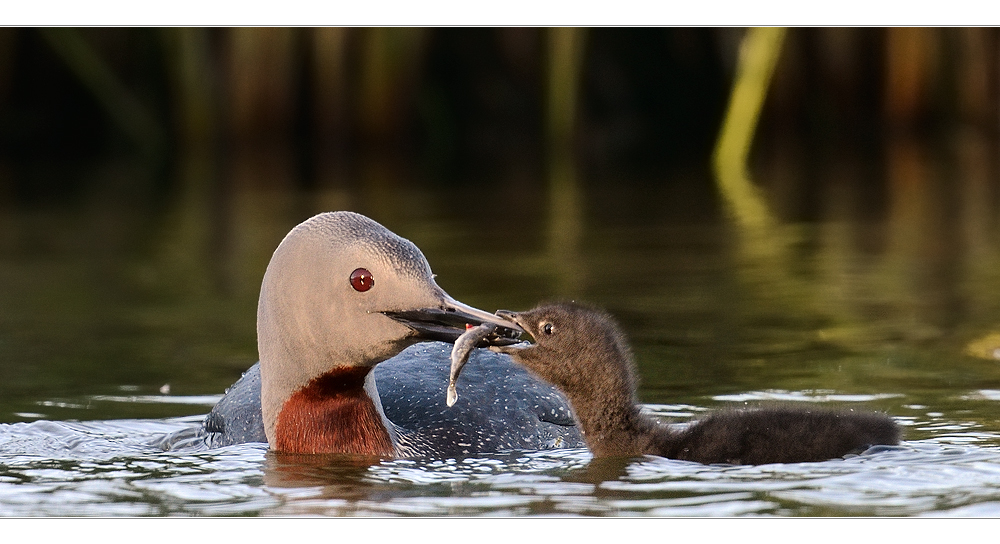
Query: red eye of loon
column 362, row 280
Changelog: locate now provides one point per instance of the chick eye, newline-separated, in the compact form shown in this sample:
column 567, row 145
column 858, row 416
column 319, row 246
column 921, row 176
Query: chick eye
column 547, row 328
column 362, row 280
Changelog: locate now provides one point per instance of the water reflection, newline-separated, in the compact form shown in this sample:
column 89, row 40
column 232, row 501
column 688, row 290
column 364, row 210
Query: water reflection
column 886, row 300
column 302, row 470
column 115, row 468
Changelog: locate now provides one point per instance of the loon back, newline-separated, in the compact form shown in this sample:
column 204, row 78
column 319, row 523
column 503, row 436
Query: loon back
column 502, row 407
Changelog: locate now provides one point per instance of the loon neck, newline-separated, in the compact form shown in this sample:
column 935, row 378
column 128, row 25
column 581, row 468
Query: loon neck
column 338, row 412
column 613, row 425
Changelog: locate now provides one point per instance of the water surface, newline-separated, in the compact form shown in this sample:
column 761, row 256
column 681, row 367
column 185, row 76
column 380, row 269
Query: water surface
column 123, row 324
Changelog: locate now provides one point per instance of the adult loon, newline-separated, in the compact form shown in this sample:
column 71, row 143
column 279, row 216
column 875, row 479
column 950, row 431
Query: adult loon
column 343, row 305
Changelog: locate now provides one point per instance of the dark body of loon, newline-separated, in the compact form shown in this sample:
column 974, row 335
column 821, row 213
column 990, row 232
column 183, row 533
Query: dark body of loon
column 582, row 352
column 352, row 332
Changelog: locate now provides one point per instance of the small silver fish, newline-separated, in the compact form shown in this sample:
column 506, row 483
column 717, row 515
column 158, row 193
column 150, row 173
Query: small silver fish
column 460, row 354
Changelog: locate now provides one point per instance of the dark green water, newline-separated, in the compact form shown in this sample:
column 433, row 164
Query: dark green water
column 116, row 316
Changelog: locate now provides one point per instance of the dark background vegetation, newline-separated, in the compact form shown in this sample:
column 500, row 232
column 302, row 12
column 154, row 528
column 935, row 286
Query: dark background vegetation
column 454, row 105
column 147, row 174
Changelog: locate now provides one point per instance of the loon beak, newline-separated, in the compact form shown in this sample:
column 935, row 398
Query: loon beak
column 512, row 318
column 450, row 319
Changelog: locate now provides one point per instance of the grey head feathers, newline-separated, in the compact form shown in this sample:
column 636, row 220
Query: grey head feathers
column 347, row 229
column 310, row 319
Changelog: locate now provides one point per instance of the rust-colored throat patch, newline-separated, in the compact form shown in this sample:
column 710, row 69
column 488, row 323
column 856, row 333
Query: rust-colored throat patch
column 333, row 414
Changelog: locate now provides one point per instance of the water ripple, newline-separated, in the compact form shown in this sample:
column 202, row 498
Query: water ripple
column 116, row 468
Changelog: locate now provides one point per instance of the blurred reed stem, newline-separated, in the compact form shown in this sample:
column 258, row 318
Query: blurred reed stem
column 758, row 56
column 127, row 112
column 565, row 55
